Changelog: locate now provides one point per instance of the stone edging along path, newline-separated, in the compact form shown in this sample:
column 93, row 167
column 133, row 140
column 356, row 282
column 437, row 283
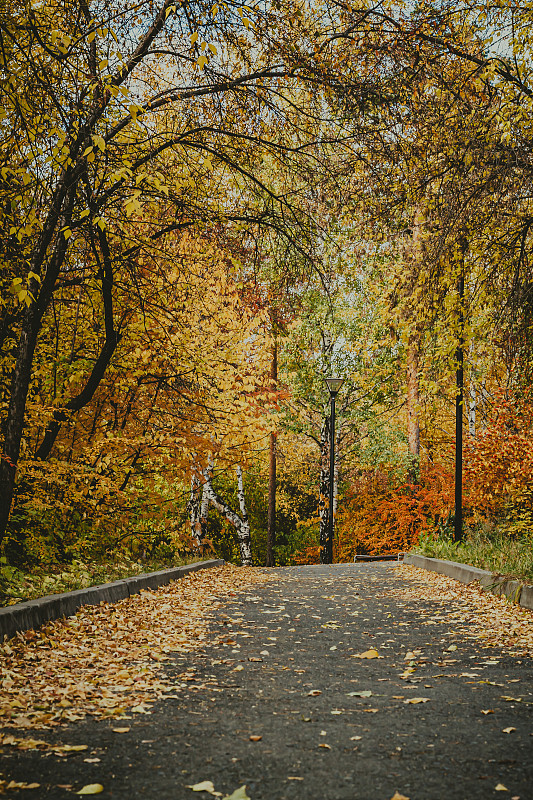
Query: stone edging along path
column 515, row 590
column 34, row 613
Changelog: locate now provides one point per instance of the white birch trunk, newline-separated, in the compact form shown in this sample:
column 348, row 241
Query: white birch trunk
column 204, row 512
column 194, row 509
column 244, row 532
column 242, row 526
column 471, row 412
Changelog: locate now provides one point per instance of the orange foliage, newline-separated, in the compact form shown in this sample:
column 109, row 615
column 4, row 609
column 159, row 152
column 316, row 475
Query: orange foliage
column 499, row 463
column 309, row 555
column 376, row 518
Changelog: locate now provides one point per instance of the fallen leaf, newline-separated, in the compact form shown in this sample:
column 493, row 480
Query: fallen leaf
column 255, row 738
column 413, row 701
column 511, row 699
column 238, row 668
column 325, row 746
column 336, row 711
column 140, row 709
column 500, row 788
column 452, row 647
column 487, row 711
column 120, row 730
column 70, row 748
column 204, row 786
column 368, row 654
column 91, row 788
column 508, row 730
column 398, row 796
column 314, row 693
column 238, row 794
column 355, row 738
column 294, row 778
column 91, row 760
column 22, row 785
column 363, row 693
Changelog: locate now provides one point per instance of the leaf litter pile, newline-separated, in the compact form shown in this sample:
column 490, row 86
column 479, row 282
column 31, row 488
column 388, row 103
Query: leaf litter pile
column 491, row 620
column 106, row 660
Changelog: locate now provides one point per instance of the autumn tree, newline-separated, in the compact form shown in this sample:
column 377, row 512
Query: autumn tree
column 104, row 109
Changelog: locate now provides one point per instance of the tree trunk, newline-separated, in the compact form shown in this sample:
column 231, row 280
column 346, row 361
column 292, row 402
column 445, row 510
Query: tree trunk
column 20, row 381
column 194, row 509
column 471, row 411
column 242, row 525
column 14, row 424
column 244, row 531
column 323, row 498
column 413, row 400
column 271, row 524
column 112, row 338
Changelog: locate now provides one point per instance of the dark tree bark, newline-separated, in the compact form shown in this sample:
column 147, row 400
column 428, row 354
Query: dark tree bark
column 323, row 499
column 271, row 533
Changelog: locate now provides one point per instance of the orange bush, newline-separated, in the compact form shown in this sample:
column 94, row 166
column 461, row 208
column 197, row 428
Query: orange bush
column 377, row 519
column 499, row 465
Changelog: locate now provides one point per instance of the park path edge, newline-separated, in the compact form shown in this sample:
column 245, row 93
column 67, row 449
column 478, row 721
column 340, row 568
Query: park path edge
column 34, row 613
column 514, row 590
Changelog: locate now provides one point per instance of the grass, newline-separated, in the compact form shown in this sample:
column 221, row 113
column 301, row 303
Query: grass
column 17, row 585
column 490, row 550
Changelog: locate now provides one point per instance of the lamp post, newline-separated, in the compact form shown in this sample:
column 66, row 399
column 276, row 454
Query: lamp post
column 334, row 384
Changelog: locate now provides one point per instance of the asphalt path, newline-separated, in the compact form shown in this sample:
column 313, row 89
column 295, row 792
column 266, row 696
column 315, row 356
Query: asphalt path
column 282, row 701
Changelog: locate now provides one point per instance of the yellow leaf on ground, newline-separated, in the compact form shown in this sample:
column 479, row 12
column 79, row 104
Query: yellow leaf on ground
column 369, row 654
column 70, row 748
column 22, row 785
column 508, row 730
column 500, row 788
column 415, row 700
column 238, row 794
column 204, row 786
column 398, row 796
column 91, row 788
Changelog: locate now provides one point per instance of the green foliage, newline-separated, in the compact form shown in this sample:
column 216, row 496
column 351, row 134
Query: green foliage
column 17, row 585
column 485, row 546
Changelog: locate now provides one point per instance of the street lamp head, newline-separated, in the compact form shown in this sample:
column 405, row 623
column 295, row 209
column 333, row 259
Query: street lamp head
column 334, row 384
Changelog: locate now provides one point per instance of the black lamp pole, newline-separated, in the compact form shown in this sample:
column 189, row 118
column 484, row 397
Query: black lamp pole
column 334, row 384
column 459, row 403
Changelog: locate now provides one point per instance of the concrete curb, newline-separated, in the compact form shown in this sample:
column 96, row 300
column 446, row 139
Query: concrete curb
column 515, row 590
column 34, row 613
